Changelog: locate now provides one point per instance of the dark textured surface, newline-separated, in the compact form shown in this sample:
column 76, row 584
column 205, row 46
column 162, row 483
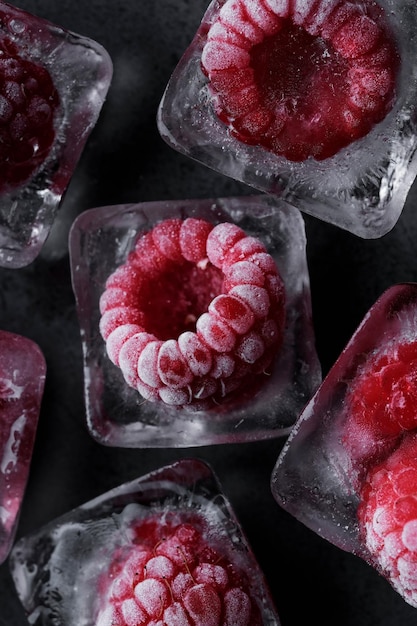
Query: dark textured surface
column 126, row 161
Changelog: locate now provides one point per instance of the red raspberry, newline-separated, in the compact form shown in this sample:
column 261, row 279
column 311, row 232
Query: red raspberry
column 300, row 79
column 380, row 404
column 197, row 312
column 387, row 516
column 28, row 104
column 172, row 575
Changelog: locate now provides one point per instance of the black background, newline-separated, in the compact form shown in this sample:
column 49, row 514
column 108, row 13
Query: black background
column 125, row 160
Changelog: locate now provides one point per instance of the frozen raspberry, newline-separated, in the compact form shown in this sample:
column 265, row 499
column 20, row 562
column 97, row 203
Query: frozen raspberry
column 196, row 312
column 381, row 404
column 172, row 575
column 388, row 517
column 302, row 79
column 28, row 104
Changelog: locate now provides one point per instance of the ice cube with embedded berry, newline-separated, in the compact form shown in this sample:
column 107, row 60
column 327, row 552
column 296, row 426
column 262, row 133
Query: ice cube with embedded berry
column 166, row 548
column 348, row 469
column 312, row 101
column 195, row 320
column 22, row 380
column 53, row 84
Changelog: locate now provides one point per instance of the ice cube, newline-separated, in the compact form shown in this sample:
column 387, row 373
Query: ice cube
column 53, row 85
column 22, row 378
column 102, row 240
column 313, row 102
column 167, row 544
column 348, row 469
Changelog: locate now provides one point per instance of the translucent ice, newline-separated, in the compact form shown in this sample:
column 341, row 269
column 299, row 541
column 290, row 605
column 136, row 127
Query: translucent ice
column 122, row 384
column 314, row 102
column 22, row 378
column 53, row 85
column 348, row 470
column 163, row 549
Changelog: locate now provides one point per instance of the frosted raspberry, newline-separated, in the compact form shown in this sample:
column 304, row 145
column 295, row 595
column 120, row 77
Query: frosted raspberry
column 117, row 316
column 238, row 314
column 380, row 404
column 193, row 306
column 28, row 106
column 118, row 338
column 220, row 241
column 172, row 575
column 387, row 516
column 127, row 356
column 304, row 78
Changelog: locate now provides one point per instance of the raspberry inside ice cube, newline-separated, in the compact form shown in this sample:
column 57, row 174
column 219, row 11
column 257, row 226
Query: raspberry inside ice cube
column 387, row 516
column 193, row 306
column 29, row 103
column 304, row 80
column 171, row 574
column 381, row 404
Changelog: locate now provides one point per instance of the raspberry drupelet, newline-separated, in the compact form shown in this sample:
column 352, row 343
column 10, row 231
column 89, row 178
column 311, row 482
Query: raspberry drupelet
column 171, row 574
column 29, row 103
column 301, row 79
column 388, row 517
column 196, row 313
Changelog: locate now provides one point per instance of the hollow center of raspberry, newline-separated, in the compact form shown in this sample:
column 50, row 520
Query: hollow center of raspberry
column 295, row 70
column 174, row 301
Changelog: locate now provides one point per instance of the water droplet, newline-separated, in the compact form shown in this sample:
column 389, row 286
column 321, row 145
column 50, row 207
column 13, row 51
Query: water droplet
column 17, row 26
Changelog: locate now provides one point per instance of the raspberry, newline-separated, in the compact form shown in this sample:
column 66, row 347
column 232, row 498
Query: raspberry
column 381, row 403
column 301, row 79
column 172, row 575
column 28, row 104
column 196, row 312
column 387, row 516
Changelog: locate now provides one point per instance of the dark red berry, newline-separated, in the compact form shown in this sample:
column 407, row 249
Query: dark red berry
column 28, row 105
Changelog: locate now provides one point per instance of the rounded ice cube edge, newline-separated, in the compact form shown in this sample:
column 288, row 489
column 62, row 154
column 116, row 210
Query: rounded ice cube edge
column 81, row 71
column 354, row 190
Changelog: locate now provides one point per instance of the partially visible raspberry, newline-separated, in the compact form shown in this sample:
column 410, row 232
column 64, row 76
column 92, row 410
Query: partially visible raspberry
column 387, row 517
column 196, row 312
column 301, row 79
column 381, row 403
column 28, row 104
column 172, row 575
